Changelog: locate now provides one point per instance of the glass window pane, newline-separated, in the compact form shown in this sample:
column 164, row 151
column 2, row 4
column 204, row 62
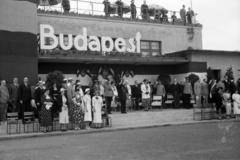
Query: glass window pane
column 155, row 45
column 145, row 45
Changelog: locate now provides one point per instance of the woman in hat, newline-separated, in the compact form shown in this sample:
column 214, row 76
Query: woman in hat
column 46, row 111
column 146, row 90
column 87, row 107
column 78, row 87
column 97, row 103
column 236, row 103
column 63, row 108
column 227, row 103
column 78, row 113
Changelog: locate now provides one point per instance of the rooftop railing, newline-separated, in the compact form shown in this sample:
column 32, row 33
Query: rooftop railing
column 81, row 8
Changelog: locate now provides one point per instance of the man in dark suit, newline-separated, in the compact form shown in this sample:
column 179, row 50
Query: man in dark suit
column 136, row 94
column 213, row 91
column 226, row 83
column 176, row 90
column 120, row 8
column 13, row 93
column 39, row 92
column 24, row 96
column 122, row 93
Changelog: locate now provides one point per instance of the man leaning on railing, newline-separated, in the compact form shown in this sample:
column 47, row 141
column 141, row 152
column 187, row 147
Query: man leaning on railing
column 174, row 17
column 120, row 8
column 144, row 10
column 133, row 10
column 106, row 8
column 66, row 6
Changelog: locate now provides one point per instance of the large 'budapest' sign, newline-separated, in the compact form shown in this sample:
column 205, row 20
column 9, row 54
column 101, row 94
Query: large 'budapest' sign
column 47, row 31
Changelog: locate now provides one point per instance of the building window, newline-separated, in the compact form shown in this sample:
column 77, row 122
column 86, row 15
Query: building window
column 150, row 48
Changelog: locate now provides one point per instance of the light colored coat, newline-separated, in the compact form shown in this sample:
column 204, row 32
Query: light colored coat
column 4, row 94
column 197, row 88
column 205, row 89
column 187, row 88
column 145, row 89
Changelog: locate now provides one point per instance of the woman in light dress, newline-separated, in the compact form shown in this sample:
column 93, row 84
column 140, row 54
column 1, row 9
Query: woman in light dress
column 114, row 103
column 77, row 109
column 63, row 108
column 87, row 108
column 227, row 103
column 236, row 103
column 97, row 103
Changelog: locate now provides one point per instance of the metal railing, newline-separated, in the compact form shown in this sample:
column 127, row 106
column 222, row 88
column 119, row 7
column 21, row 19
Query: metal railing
column 87, row 8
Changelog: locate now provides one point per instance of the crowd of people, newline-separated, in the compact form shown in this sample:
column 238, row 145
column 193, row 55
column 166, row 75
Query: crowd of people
column 223, row 95
column 161, row 15
column 145, row 11
column 74, row 104
column 68, row 101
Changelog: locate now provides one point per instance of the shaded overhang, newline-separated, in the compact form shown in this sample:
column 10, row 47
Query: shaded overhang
column 115, row 60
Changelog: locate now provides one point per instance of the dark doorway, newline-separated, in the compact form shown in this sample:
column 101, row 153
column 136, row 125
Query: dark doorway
column 217, row 74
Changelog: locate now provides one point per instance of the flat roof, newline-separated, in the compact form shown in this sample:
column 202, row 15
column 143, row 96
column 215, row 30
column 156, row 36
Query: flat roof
column 91, row 59
column 201, row 51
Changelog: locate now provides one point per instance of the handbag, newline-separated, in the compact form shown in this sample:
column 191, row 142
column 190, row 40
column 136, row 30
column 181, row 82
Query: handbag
column 113, row 104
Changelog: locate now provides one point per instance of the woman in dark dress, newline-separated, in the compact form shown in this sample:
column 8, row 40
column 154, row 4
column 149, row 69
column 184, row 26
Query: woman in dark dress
column 54, row 92
column 46, row 113
column 218, row 102
column 78, row 114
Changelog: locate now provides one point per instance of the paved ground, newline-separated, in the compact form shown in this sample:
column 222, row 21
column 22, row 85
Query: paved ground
column 213, row 141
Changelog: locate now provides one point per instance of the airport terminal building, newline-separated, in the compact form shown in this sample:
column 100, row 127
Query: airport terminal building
column 35, row 42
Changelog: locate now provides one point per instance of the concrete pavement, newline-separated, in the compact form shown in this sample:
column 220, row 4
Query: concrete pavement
column 158, row 119
column 208, row 141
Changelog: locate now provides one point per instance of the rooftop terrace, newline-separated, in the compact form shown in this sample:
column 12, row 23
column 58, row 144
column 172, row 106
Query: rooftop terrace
column 89, row 9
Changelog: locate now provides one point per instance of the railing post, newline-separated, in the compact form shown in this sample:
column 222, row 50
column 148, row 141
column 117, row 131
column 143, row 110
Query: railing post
column 77, row 6
column 92, row 8
column 107, row 6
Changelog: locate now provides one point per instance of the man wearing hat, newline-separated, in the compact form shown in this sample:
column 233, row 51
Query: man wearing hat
column 160, row 91
column 133, row 10
column 123, row 95
column 13, row 93
column 39, row 92
column 187, row 92
column 24, row 97
column 120, row 8
column 144, row 10
column 108, row 93
column 146, row 90
column 136, row 94
column 70, row 95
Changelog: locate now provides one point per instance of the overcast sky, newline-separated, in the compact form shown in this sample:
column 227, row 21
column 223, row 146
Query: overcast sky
column 220, row 19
